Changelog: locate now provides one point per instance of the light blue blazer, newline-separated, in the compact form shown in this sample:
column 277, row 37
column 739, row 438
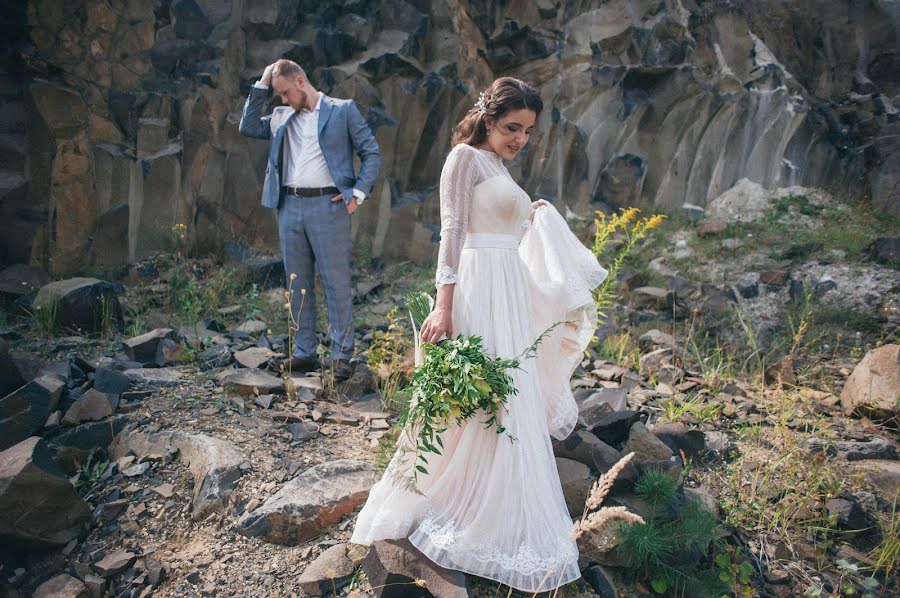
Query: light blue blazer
column 342, row 130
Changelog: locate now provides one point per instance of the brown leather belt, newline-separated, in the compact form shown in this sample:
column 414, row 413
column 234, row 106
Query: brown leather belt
column 310, row 191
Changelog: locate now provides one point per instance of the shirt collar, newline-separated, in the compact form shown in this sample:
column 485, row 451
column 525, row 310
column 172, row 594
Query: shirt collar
column 318, row 104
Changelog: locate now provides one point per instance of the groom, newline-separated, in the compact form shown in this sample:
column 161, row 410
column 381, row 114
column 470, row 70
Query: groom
column 310, row 181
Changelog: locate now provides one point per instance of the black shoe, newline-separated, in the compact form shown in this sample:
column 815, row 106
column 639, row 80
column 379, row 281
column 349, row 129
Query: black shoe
column 300, row 364
column 343, row 371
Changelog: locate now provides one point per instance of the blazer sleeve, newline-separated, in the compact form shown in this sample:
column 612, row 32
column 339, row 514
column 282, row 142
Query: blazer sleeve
column 253, row 124
column 366, row 148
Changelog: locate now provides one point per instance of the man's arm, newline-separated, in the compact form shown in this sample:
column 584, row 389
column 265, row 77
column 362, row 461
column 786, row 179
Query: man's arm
column 366, row 148
column 253, row 124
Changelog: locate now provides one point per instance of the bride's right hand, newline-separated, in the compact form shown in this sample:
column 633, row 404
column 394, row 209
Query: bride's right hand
column 437, row 325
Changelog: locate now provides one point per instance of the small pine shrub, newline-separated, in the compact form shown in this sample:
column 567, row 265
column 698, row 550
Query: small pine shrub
column 668, row 549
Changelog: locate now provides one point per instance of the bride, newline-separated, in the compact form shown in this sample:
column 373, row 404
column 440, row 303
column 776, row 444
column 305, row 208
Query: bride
column 508, row 269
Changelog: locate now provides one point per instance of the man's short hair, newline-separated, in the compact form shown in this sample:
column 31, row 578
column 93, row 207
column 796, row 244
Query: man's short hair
column 288, row 69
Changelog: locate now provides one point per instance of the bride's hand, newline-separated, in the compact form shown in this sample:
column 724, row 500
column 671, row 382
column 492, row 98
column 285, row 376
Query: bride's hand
column 534, row 206
column 437, row 325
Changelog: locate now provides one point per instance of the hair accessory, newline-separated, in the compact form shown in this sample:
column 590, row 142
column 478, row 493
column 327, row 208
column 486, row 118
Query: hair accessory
column 480, row 104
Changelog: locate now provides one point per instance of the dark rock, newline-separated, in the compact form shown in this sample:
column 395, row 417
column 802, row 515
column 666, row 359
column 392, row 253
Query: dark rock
column 24, row 411
column 81, row 303
column 872, row 387
column 168, row 352
column 646, row 447
column 601, row 581
column 216, row 356
column 215, row 464
column 361, row 383
column 579, row 446
column 613, row 428
column 143, row 348
column 776, row 278
column 848, row 513
column 10, row 378
column 20, row 280
column 575, row 479
column 111, row 381
column 781, row 373
column 316, row 499
column 678, row 437
column 711, row 227
column 72, row 446
column 393, row 566
column 92, row 406
column 115, row 562
column 62, row 586
column 250, row 382
column 331, row 571
column 27, row 471
column 886, row 250
column 854, row 450
column 303, row 430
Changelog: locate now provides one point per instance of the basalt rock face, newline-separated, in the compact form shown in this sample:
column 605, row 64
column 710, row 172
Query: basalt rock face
column 120, row 118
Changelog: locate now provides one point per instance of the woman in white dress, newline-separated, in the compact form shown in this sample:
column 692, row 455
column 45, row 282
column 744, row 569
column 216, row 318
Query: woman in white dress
column 508, row 268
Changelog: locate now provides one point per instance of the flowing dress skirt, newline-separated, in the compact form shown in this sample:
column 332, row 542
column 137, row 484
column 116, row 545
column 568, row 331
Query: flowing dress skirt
column 491, row 505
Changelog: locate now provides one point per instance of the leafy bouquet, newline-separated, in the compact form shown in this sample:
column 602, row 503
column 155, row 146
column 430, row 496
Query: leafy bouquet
column 454, row 382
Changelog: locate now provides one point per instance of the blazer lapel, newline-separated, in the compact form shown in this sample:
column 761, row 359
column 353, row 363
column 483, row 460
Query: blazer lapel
column 324, row 113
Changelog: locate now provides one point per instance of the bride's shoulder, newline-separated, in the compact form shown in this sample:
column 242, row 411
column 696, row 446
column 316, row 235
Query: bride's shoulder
column 463, row 149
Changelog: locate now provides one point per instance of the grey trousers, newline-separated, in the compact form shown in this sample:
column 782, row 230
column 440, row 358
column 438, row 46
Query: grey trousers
column 315, row 235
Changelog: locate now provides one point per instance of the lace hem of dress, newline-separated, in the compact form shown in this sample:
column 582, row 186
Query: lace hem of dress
column 525, row 560
column 445, row 275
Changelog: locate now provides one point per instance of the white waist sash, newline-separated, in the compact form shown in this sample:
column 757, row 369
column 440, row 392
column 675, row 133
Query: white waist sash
column 490, row 241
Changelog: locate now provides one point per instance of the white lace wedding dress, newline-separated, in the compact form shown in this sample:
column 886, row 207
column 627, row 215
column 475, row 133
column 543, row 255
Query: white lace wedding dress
column 491, row 506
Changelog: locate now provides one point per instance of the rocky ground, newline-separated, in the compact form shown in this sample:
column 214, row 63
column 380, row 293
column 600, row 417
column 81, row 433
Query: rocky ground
column 142, row 456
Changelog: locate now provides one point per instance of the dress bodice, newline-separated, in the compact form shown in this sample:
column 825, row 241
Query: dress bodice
column 478, row 196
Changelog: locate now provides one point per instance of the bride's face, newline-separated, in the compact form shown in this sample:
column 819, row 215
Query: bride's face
column 509, row 133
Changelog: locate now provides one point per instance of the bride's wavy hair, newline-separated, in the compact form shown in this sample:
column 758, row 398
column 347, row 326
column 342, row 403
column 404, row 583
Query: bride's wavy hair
column 504, row 94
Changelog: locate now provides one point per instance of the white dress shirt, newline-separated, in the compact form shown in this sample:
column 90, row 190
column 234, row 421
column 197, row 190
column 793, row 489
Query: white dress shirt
column 304, row 163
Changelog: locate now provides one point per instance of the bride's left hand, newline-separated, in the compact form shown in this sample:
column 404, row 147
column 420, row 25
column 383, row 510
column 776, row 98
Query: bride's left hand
column 534, row 206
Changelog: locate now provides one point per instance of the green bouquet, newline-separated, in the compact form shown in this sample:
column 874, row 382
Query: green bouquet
column 455, row 381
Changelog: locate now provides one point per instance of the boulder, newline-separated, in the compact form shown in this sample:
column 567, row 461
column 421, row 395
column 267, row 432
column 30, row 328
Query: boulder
column 253, row 358
column 678, row 437
column 316, row 499
column 394, row 562
column 250, row 382
column 71, row 446
column 81, row 303
column 613, row 428
column 143, row 348
column 595, row 404
column 576, row 481
column 92, row 406
column 746, row 201
column 578, row 446
column 19, row 280
column 331, row 571
column 24, row 411
column 874, row 386
column 115, row 562
column 884, row 477
column 886, row 250
column 62, row 586
column 27, row 471
column 646, row 447
column 215, row 464
column 111, row 381
column 10, row 378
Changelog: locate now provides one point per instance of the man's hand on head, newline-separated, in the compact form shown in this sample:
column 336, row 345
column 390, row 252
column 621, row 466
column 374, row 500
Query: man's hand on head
column 266, row 78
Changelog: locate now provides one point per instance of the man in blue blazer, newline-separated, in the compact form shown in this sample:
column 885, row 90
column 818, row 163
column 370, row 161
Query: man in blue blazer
column 310, row 181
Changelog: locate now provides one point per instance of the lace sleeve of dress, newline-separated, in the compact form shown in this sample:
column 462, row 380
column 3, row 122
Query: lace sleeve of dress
column 457, row 185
